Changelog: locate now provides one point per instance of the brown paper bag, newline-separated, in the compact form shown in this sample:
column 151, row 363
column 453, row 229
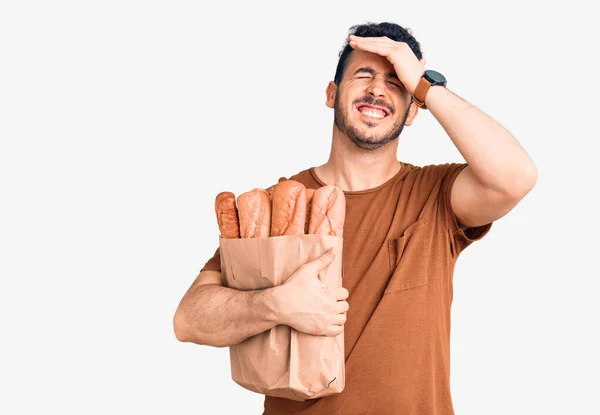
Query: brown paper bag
column 284, row 362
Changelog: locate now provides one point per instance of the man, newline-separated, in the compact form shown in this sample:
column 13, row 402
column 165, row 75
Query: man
column 405, row 228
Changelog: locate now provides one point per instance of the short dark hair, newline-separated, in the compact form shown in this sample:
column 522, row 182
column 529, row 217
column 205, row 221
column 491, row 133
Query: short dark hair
column 391, row 30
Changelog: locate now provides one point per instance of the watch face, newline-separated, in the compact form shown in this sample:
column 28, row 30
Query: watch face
column 435, row 77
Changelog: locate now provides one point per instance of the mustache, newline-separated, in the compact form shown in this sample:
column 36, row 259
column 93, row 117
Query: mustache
column 376, row 103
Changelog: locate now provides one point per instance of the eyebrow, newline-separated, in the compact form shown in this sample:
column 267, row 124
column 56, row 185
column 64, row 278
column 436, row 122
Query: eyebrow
column 372, row 71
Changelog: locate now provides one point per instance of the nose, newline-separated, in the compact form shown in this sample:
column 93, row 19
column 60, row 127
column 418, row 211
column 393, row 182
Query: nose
column 377, row 87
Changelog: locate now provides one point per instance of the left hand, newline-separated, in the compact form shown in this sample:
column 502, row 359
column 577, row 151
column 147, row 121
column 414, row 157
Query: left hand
column 408, row 68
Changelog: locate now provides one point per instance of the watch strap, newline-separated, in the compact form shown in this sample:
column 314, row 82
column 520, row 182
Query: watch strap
column 421, row 92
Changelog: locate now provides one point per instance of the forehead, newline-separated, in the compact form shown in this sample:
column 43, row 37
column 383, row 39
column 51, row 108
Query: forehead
column 361, row 59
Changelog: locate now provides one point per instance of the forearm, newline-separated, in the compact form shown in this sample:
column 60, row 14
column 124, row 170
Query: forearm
column 494, row 156
column 220, row 316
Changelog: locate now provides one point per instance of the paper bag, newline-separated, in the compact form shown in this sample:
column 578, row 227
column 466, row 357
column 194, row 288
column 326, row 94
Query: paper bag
column 284, row 362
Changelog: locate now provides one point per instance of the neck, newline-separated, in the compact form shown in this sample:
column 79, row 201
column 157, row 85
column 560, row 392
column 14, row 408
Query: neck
column 354, row 169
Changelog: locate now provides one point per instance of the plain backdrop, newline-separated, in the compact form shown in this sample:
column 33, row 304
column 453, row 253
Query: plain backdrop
column 121, row 120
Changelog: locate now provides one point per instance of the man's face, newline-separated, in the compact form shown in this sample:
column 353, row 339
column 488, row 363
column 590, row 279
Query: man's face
column 371, row 105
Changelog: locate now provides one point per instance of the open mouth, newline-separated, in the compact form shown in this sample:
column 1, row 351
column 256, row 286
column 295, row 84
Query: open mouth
column 377, row 113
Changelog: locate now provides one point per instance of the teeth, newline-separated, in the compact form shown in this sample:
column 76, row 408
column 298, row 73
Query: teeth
column 372, row 113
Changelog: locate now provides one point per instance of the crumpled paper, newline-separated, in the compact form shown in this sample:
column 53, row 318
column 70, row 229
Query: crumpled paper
column 284, row 362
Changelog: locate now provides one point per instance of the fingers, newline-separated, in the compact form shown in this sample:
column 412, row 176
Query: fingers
column 383, row 46
column 323, row 261
column 340, row 293
column 380, row 48
column 372, row 41
column 334, row 330
column 339, row 319
column 341, row 307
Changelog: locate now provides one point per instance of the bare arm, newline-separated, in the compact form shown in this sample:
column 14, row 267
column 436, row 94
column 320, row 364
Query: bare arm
column 499, row 174
column 218, row 316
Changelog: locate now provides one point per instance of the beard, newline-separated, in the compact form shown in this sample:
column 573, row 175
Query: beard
column 362, row 139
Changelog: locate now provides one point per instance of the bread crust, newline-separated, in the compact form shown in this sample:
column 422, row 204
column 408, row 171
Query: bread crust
column 289, row 208
column 227, row 215
column 254, row 208
column 328, row 211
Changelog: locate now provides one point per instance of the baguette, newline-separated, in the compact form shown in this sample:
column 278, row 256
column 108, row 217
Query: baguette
column 254, row 208
column 289, row 208
column 227, row 215
column 328, row 211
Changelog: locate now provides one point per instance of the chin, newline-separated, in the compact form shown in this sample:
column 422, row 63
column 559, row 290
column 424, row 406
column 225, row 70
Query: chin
column 366, row 134
column 372, row 135
column 368, row 142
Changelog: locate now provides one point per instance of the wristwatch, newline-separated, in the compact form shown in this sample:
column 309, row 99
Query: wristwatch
column 428, row 79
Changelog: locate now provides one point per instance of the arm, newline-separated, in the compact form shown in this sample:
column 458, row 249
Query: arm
column 217, row 316
column 499, row 172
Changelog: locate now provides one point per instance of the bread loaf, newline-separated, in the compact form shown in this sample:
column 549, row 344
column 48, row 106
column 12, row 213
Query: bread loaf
column 227, row 215
column 328, row 211
column 254, row 210
column 289, row 208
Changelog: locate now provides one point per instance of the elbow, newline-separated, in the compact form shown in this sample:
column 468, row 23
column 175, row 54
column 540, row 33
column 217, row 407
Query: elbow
column 531, row 176
column 523, row 184
column 185, row 332
column 180, row 328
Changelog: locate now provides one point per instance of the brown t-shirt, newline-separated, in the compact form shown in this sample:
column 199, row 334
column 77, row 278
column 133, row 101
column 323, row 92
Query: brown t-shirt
column 401, row 243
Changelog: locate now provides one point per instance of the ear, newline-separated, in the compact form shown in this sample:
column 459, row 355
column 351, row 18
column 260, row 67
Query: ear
column 330, row 93
column 412, row 112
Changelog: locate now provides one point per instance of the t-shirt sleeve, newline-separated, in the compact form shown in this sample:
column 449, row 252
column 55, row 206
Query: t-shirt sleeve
column 459, row 238
column 214, row 263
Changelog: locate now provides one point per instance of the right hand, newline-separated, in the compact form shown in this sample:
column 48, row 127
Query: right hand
column 308, row 305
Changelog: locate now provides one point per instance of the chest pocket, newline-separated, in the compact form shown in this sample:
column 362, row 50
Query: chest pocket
column 409, row 257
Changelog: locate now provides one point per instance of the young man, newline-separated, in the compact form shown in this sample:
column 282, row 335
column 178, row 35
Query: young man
column 405, row 228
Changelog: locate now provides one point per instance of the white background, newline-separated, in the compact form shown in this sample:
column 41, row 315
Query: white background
column 121, row 120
